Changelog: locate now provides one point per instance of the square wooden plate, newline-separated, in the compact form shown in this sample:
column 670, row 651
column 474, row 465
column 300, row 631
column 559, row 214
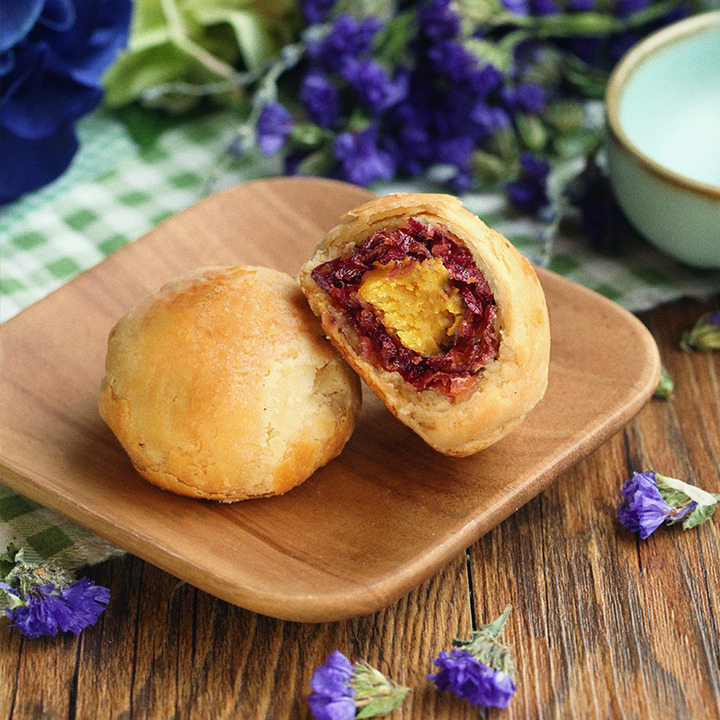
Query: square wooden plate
column 365, row 529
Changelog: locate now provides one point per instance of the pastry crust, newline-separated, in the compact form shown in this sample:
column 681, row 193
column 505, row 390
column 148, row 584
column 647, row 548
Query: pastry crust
column 220, row 385
column 509, row 386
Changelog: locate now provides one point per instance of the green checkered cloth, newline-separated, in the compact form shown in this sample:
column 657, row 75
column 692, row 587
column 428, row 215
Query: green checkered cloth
column 115, row 192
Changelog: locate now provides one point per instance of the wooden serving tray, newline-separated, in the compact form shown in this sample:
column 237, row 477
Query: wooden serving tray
column 365, row 529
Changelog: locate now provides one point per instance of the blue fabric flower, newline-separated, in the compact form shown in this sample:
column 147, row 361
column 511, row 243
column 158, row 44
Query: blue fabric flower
column 47, row 610
column 644, row 510
column 274, row 125
column 332, row 697
column 471, row 680
column 52, row 56
column 362, row 162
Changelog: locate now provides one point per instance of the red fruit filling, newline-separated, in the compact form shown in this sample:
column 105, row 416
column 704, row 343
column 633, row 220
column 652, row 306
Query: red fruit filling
column 476, row 340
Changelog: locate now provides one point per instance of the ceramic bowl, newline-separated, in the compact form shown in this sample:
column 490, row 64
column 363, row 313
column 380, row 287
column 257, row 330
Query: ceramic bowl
column 663, row 122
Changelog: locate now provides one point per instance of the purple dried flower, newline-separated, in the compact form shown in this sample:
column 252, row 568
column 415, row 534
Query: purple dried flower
column 478, row 670
column 362, row 162
column 439, row 20
column 644, row 509
column 452, row 59
column 544, row 7
column 519, row 7
column 525, row 97
column 347, row 38
column 332, row 697
column 490, row 119
column 625, row 8
column 274, row 125
column 704, row 335
column 651, row 499
column 321, row 98
column 45, row 610
column 472, row 680
column 529, row 191
column 373, row 84
column 316, row 11
column 340, row 688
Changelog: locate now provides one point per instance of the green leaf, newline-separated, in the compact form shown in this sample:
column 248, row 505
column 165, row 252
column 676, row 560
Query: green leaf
column 9, row 558
column 576, row 143
column 699, row 515
column 701, row 497
column 133, row 73
column 489, row 168
column 392, row 44
column 665, row 386
column 317, row 163
column 490, row 52
column 532, row 131
column 382, row 705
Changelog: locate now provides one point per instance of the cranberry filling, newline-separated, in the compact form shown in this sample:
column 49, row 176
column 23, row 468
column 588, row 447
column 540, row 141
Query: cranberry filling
column 476, row 341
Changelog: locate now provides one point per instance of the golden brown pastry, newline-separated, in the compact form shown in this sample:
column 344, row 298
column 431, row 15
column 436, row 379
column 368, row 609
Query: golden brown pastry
column 221, row 385
column 440, row 315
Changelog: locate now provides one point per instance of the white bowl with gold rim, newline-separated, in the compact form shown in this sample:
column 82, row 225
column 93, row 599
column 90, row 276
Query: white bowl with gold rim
column 663, row 144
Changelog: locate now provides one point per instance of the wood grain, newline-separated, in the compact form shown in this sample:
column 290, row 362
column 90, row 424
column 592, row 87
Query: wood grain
column 604, row 626
column 364, row 530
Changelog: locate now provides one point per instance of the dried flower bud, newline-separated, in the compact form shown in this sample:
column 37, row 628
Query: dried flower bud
column 479, row 670
column 343, row 690
column 42, row 599
column 651, row 499
column 705, row 335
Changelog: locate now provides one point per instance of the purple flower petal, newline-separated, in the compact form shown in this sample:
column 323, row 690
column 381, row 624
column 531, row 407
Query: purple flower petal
column 327, row 708
column 644, row 509
column 464, row 675
column 321, row 98
column 332, row 697
column 274, row 125
column 45, row 612
column 362, row 162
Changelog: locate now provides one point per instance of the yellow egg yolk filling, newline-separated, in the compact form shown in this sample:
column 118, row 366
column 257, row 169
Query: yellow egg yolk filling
column 416, row 301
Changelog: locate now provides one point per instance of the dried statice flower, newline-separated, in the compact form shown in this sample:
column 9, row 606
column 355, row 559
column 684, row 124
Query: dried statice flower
column 651, row 500
column 479, row 670
column 274, row 125
column 705, row 334
column 42, row 599
column 343, row 690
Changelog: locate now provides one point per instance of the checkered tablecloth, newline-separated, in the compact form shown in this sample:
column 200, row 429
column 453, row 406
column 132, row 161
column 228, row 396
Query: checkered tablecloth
column 115, row 192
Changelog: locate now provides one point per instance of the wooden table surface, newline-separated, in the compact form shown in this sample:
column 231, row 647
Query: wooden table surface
column 604, row 625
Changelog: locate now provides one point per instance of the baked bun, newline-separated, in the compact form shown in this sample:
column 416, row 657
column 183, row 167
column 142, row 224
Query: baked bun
column 439, row 314
column 220, row 385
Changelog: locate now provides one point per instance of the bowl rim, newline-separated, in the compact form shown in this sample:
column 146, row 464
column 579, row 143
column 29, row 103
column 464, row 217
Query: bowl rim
column 619, row 77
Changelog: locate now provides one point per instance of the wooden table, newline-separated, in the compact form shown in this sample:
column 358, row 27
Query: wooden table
column 604, row 625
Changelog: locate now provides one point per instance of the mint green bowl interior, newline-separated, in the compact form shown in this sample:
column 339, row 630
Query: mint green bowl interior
column 663, row 115
column 670, row 106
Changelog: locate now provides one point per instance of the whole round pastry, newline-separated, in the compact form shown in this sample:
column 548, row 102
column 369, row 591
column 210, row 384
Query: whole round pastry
column 440, row 315
column 220, row 385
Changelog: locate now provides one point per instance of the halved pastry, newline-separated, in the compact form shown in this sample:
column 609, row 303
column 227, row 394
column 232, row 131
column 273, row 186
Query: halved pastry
column 439, row 314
